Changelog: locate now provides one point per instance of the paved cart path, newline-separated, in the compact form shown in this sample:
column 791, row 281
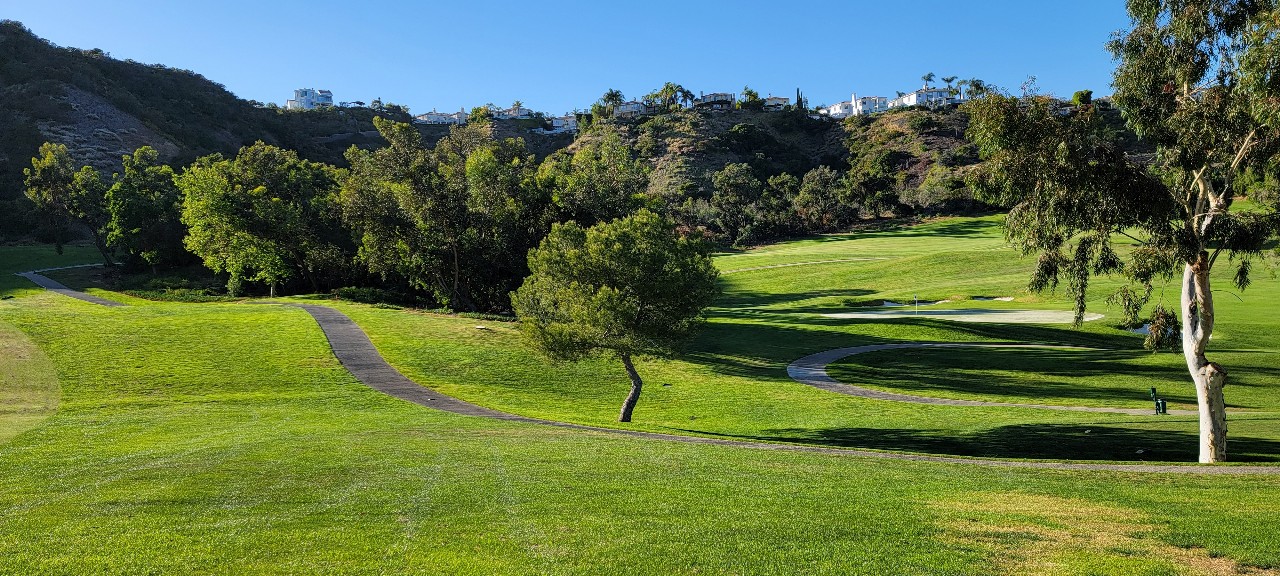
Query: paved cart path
column 812, row 370
column 358, row 355
column 55, row 286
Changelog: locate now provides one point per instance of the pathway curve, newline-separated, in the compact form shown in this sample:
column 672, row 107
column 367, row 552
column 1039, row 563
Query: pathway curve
column 55, row 286
column 358, row 355
column 812, row 370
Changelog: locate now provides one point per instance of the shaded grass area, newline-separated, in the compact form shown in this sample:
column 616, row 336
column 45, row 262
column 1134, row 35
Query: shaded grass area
column 1062, row 377
column 28, row 384
column 15, row 259
column 226, row 439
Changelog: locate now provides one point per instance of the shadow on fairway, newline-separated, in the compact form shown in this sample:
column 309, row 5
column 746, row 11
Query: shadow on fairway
column 1035, row 375
column 1032, row 441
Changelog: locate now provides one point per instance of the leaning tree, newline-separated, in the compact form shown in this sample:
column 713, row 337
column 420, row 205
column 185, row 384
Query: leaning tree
column 632, row 286
column 1198, row 80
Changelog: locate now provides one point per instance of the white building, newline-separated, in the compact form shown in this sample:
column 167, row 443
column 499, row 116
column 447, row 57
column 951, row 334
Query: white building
column 309, row 99
column 776, row 103
column 838, row 110
column 513, row 113
column 869, row 104
column 931, row 97
column 631, row 109
column 434, row 117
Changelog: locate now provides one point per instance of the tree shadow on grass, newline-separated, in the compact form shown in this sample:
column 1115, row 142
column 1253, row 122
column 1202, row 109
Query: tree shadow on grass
column 1032, row 441
column 735, row 300
column 1046, row 375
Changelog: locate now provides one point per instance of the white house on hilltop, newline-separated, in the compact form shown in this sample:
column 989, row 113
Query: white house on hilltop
column 926, row 97
column 309, row 99
column 775, row 103
column 434, row 117
column 869, row 104
column 838, row 110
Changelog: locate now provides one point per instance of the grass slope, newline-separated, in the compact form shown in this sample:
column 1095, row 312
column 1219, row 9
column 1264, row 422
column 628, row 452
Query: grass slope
column 254, row 451
column 226, row 439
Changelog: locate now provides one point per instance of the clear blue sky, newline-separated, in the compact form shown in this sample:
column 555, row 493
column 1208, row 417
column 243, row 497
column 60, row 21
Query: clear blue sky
column 558, row 56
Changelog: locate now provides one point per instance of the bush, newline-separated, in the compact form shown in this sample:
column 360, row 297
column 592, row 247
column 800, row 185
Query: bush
column 366, row 295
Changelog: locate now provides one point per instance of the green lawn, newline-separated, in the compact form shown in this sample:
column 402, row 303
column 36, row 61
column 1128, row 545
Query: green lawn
column 24, row 258
column 226, row 439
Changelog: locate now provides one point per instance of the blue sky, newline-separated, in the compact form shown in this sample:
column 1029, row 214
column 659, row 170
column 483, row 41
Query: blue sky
column 558, row 56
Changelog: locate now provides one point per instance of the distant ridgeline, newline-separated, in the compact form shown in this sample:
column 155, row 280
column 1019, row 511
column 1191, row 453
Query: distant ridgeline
column 747, row 174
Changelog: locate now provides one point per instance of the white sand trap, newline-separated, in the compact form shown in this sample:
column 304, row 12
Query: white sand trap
column 977, row 315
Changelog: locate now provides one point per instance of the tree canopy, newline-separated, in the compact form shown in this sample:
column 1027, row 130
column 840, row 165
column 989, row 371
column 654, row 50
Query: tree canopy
column 265, row 216
column 1201, row 81
column 631, row 286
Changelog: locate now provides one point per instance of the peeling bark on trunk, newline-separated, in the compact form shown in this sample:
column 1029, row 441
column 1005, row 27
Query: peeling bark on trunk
column 273, row 289
column 634, row 395
column 1209, row 377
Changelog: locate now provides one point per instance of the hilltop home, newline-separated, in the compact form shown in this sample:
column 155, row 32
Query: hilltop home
column 309, row 99
column 838, row 110
column 715, row 101
column 434, row 117
column 513, row 113
column 869, row 104
column 631, row 109
column 775, row 103
column 932, row 97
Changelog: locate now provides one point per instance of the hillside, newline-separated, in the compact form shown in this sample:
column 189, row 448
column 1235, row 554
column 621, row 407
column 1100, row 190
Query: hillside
column 103, row 108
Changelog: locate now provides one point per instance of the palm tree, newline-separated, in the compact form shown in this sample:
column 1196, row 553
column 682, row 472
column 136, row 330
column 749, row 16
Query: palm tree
column 515, row 107
column 927, row 79
column 977, row 88
column 949, row 80
column 612, row 97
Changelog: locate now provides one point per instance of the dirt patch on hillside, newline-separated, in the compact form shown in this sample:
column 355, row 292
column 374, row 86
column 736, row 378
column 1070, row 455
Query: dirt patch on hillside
column 98, row 134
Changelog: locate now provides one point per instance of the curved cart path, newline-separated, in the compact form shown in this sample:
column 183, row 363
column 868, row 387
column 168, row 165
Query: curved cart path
column 55, row 286
column 356, row 352
column 812, row 370
column 358, row 355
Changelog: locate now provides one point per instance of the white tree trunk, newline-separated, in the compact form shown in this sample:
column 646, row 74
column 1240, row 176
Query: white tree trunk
column 1197, row 326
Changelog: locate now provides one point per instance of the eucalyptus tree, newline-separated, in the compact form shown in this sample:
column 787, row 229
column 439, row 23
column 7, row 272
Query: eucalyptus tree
column 631, row 287
column 1201, row 81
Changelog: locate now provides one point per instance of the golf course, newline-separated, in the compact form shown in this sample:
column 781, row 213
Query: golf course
column 228, row 438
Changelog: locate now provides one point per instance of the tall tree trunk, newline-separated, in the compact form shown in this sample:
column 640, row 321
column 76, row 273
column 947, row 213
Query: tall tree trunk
column 101, row 244
column 634, row 395
column 1209, row 377
column 273, row 290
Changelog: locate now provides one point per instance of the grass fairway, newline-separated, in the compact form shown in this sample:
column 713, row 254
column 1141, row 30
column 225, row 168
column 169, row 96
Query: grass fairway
column 15, row 259
column 226, row 439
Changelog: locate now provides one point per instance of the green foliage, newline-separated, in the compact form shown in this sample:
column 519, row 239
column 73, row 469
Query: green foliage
column 264, row 216
column 821, row 203
column 630, row 286
column 1082, row 98
column 145, row 210
column 1068, row 187
column 750, row 100
column 737, row 192
column 60, row 193
column 454, row 221
column 599, row 181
